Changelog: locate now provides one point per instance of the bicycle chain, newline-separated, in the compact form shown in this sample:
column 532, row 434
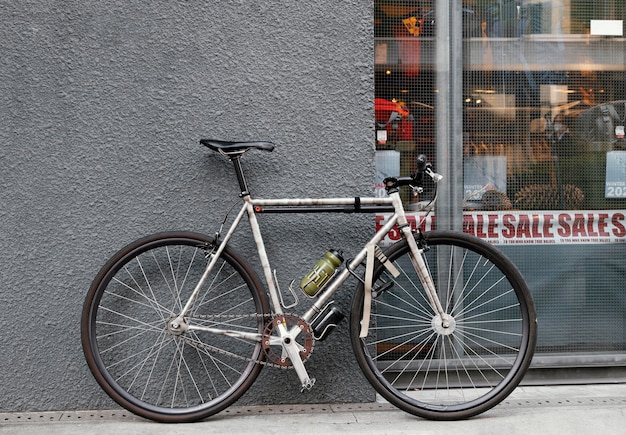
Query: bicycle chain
column 198, row 344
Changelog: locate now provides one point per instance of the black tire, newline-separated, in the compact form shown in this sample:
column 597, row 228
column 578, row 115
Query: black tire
column 134, row 356
column 448, row 373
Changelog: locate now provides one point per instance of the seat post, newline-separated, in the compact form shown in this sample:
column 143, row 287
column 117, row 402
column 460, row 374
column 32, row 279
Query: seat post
column 240, row 177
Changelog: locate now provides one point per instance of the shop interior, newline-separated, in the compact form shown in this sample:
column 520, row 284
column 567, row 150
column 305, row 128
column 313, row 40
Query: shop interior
column 543, row 97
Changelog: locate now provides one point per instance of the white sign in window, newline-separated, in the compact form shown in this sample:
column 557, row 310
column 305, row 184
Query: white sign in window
column 607, row 27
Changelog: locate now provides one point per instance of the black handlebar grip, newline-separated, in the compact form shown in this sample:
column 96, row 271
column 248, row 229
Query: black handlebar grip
column 421, row 162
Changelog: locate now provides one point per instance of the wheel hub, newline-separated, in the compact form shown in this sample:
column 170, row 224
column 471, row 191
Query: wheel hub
column 176, row 325
column 443, row 325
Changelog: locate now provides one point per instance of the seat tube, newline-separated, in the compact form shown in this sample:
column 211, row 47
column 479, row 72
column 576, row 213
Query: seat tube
column 265, row 264
column 240, row 177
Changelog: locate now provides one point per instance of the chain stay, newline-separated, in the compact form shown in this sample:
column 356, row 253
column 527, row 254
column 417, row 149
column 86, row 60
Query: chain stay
column 204, row 346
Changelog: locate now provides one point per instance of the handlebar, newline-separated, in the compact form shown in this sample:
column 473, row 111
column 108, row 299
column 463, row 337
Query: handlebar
column 416, row 180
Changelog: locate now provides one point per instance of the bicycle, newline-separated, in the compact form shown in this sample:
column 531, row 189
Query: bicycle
column 177, row 326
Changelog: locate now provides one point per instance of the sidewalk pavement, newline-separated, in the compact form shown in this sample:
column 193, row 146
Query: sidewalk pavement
column 562, row 410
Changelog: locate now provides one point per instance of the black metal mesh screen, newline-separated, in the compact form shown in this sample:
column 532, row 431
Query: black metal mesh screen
column 544, row 148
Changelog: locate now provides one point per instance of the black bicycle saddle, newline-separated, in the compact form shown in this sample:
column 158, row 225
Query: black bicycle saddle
column 236, row 147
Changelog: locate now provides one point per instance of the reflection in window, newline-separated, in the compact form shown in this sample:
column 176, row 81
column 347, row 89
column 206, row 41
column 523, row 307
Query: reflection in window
column 543, row 102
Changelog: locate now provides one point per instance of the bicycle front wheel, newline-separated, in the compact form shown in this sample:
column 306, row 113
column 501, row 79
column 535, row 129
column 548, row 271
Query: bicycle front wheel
column 141, row 360
column 457, row 365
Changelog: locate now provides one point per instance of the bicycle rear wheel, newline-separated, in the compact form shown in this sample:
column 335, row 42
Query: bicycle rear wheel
column 453, row 372
column 151, row 369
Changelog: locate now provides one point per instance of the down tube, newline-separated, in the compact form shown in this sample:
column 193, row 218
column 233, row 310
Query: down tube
column 325, row 296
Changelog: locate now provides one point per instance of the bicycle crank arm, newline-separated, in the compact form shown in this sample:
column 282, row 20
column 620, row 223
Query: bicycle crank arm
column 292, row 349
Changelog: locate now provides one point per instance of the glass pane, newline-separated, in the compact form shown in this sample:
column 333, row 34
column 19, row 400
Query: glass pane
column 544, row 145
column 544, row 106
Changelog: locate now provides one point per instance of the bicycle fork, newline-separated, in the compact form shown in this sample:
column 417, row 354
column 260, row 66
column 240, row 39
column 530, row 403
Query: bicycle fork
column 441, row 321
column 426, row 278
column 441, row 318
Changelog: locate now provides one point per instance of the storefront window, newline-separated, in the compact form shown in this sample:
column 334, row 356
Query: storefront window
column 543, row 145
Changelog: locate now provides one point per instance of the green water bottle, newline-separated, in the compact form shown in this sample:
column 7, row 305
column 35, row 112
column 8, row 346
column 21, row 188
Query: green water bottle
column 315, row 280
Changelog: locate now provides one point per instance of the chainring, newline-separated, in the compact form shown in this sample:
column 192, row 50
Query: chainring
column 274, row 353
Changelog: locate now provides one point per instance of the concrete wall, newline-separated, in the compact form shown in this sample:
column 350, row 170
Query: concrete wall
column 102, row 105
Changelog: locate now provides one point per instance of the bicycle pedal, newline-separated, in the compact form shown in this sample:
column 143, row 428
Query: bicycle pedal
column 307, row 385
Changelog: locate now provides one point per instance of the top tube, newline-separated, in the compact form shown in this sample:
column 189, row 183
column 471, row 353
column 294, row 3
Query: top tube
column 323, row 205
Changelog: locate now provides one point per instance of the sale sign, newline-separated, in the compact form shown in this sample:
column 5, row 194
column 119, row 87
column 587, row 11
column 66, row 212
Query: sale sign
column 530, row 227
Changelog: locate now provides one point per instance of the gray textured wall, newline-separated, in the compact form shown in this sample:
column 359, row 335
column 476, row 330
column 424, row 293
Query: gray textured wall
column 101, row 108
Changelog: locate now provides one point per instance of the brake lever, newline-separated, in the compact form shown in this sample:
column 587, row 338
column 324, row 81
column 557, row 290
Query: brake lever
column 432, row 174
